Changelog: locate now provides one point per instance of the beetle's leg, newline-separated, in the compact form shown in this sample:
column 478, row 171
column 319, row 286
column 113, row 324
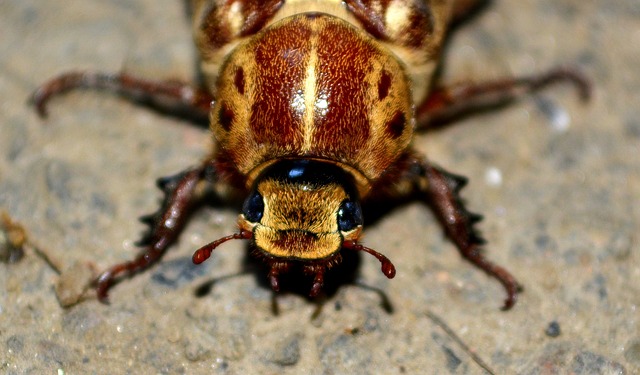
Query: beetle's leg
column 445, row 104
column 415, row 176
column 442, row 189
column 166, row 95
column 443, row 192
column 182, row 192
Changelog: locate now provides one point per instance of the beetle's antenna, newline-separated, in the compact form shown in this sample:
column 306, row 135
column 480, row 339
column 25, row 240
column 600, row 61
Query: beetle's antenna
column 387, row 267
column 205, row 251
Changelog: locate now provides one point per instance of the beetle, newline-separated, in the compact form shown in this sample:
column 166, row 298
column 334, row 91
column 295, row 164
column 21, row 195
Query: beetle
column 313, row 106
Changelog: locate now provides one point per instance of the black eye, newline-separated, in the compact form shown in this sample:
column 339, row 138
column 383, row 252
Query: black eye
column 253, row 207
column 349, row 215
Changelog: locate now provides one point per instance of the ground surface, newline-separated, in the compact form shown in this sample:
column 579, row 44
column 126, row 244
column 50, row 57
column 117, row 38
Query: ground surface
column 561, row 212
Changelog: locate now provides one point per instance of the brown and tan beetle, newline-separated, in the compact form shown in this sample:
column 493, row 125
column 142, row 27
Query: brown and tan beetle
column 313, row 105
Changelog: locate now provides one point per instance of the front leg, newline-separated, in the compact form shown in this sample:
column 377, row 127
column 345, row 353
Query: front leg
column 415, row 176
column 442, row 190
column 182, row 192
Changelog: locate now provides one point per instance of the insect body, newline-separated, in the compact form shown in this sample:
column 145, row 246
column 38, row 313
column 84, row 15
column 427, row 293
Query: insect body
column 313, row 105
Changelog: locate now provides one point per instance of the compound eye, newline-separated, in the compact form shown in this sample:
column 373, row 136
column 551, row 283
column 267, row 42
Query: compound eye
column 253, row 207
column 349, row 215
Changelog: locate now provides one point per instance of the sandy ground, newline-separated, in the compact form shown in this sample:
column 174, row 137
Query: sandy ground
column 557, row 180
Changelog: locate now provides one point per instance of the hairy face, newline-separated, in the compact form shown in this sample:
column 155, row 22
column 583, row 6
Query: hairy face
column 299, row 220
column 302, row 211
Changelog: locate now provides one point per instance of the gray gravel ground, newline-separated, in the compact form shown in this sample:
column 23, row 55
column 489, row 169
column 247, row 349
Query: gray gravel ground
column 557, row 180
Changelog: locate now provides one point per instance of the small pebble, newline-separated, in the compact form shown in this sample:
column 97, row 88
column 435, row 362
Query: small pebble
column 553, row 329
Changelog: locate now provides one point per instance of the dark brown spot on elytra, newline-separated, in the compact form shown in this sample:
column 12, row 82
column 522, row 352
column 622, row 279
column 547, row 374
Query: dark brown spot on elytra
column 238, row 80
column 216, row 29
column 419, row 27
column 383, row 85
column 256, row 14
column 371, row 19
column 395, row 126
column 225, row 117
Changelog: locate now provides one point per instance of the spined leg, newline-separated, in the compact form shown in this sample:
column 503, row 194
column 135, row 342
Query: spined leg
column 182, row 191
column 414, row 176
column 443, row 192
column 165, row 94
column 446, row 104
